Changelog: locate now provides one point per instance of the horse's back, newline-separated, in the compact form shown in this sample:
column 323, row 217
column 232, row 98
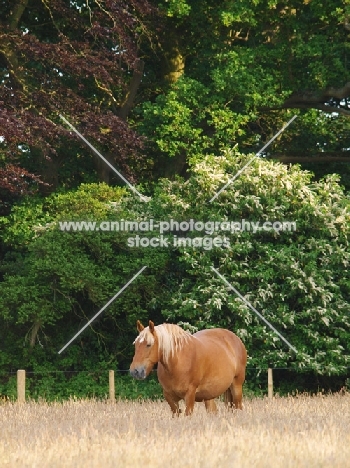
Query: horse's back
column 222, row 346
column 222, row 338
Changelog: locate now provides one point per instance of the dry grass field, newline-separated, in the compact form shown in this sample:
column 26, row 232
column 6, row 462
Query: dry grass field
column 290, row 432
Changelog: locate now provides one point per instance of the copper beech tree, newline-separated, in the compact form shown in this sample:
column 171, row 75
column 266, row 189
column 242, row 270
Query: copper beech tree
column 79, row 59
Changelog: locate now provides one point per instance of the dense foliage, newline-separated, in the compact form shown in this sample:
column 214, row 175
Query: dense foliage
column 55, row 280
column 76, row 59
column 191, row 76
column 178, row 95
column 241, row 65
column 299, row 280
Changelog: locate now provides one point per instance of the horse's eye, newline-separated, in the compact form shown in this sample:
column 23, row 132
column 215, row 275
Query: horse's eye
column 149, row 345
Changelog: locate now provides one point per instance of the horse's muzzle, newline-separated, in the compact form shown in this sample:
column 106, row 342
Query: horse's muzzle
column 138, row 373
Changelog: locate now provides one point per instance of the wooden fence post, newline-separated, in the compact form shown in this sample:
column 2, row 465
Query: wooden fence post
column 21, row 386
column 111, row 386
column 269, row 383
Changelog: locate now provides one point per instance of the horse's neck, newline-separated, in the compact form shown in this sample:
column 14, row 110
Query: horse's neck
column 174, row 358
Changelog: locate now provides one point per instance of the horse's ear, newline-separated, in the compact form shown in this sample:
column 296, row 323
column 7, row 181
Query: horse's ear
column 151, row 326
column 139, row 326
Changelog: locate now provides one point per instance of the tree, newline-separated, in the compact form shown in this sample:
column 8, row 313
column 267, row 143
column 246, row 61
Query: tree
column 241, row 65
column 77, row 59
column 54, row 281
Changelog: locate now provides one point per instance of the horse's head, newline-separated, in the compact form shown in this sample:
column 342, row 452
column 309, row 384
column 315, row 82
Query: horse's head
column 146, row 351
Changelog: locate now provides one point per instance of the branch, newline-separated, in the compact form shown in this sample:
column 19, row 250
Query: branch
column 17, row 74
column 16, row 14
column 328, row 100
column 322, row 157
column 7, row 49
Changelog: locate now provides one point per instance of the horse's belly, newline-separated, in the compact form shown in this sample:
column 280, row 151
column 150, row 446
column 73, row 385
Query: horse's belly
column 206, row 395
column 206, row 389
column 212, row 388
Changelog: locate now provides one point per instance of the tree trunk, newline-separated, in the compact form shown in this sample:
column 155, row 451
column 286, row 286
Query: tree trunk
column 49, row 168
column 34, row 334
column 128, row 102
column 173, row 61
column 102, row 169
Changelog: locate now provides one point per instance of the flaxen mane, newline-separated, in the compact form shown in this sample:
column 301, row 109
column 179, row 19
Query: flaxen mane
column 171, row 338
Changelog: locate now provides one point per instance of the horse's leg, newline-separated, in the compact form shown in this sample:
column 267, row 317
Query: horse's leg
column 236, row 391
column 173, row 403
column 190, row 400
column 210, row 406
column 233, row 396
column 228, row 398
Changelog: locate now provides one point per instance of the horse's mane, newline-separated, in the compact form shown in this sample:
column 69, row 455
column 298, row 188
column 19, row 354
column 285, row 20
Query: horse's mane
column 171, row 338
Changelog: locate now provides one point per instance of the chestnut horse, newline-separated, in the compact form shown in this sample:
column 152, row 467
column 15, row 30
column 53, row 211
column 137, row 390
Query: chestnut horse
column 197, row 367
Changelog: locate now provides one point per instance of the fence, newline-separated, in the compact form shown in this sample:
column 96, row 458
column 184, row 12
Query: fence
column 259, row 381
column 21, row 385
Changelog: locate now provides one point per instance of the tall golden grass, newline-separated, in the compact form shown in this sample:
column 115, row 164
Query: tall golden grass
column 295, row 432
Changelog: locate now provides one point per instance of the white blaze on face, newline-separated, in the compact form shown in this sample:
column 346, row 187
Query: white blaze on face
column 145, row 335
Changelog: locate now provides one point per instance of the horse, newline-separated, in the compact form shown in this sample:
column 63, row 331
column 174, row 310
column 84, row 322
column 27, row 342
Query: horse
column 193, row 368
